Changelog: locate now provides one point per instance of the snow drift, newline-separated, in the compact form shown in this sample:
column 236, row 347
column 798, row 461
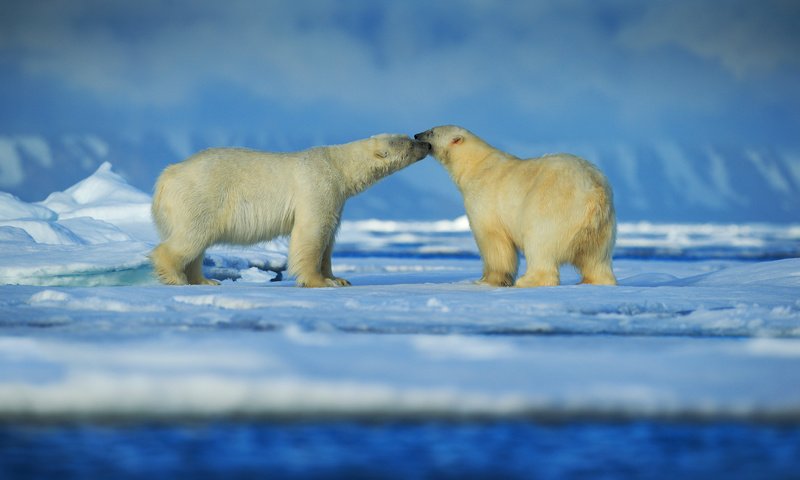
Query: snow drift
column 696, row 329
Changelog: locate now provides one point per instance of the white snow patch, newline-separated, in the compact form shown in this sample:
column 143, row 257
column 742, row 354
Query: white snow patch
column 43, row 232
column 48, row 296
column 436, row 304
column 457, row 346
column 41, row 264
column 204, row 395
column 140, row 356
column 677, row 236
column 418, row 268
column 239, row 303
column 297, row 335
column 460, row 224
column 12, row 208
column 59, row 299
column 775, row 273
column 774, row 347
column 93, row 231
column 256, row 275
column 415, row 336
column 104, row 196
column 15, row 235
column 218, row 301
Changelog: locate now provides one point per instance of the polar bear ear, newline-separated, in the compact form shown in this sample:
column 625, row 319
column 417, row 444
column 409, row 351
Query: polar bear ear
column 381, row 153
column 458, row 139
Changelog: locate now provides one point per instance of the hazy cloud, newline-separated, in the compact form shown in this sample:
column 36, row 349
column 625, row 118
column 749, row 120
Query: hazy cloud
column 568, row 61
column 749, row 38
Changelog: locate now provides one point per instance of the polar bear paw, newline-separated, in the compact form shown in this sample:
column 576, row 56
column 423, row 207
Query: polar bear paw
column 538, row 280
column 321, row 282
column 496, row 279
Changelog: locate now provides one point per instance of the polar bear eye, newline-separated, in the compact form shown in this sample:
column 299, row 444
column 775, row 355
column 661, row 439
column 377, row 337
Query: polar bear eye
column 381, row 154
column 457, row 140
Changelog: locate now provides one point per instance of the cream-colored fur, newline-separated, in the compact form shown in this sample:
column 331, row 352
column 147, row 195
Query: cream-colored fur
column 239, row 196
column 556, row 209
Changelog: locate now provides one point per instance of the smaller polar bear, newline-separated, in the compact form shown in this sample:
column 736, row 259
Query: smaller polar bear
column 556, row 209
column 239, row 196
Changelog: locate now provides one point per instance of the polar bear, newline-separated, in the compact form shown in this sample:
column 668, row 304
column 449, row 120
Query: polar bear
column 556, row 209
column 240, row 196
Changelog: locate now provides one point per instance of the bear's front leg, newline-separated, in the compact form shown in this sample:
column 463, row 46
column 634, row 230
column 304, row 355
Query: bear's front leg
column 327, row 268
column 500, row 259
column 307, row 248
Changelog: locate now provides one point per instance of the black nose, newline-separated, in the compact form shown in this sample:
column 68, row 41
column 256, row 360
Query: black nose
column 430, row 147
column 417, row 136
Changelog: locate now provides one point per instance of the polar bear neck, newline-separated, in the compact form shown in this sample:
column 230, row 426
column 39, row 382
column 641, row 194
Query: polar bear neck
column 472, row 161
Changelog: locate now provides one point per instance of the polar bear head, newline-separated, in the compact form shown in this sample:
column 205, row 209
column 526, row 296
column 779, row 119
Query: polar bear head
column 390, row 152
column 398, row 151
column 450, row 143
column 367, row 161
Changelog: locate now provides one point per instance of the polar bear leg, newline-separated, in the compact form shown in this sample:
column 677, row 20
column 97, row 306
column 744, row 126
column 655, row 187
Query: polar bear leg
column 500, row 259
column 540, row 274
column 596, row 271
column 592, row 249
column 327, row 266
column 542, row 269
column 194, row 272
column 168, row 265
column 307, row 247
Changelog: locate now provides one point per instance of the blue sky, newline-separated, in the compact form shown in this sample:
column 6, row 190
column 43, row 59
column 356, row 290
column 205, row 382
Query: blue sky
column 726, row 72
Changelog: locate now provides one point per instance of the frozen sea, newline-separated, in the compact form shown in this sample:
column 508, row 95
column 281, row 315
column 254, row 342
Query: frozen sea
column 691, row 366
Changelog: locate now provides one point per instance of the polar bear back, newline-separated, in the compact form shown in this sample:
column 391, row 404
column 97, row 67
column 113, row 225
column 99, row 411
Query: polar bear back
column 557, row 187
column 559, row 180
column 566, row 191
column 247, row 196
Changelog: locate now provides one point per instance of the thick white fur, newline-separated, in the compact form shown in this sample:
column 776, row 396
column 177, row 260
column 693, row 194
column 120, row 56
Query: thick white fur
column 556, row 209
column 239, row 196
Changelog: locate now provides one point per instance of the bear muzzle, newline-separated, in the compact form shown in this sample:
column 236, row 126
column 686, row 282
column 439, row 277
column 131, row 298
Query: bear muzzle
column 422, row 148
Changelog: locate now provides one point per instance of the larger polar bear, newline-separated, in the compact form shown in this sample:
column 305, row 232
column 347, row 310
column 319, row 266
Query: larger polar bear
column 239, row 196
column 556, row 209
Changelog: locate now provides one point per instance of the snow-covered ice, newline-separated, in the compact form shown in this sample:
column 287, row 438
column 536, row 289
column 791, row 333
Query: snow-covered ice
column 705, row 323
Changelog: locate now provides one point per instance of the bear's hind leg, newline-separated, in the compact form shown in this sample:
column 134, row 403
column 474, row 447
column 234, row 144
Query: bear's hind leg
column 592, row 255
column 595, row 271
column 194, row 272
column 168, row 266
column 539, row 274
column 542, row 269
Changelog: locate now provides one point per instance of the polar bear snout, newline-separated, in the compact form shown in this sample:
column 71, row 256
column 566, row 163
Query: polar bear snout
column 431, row 138
column 417, row 150
column 422, row 148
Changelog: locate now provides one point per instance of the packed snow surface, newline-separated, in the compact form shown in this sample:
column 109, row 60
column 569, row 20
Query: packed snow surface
column 704, row 324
